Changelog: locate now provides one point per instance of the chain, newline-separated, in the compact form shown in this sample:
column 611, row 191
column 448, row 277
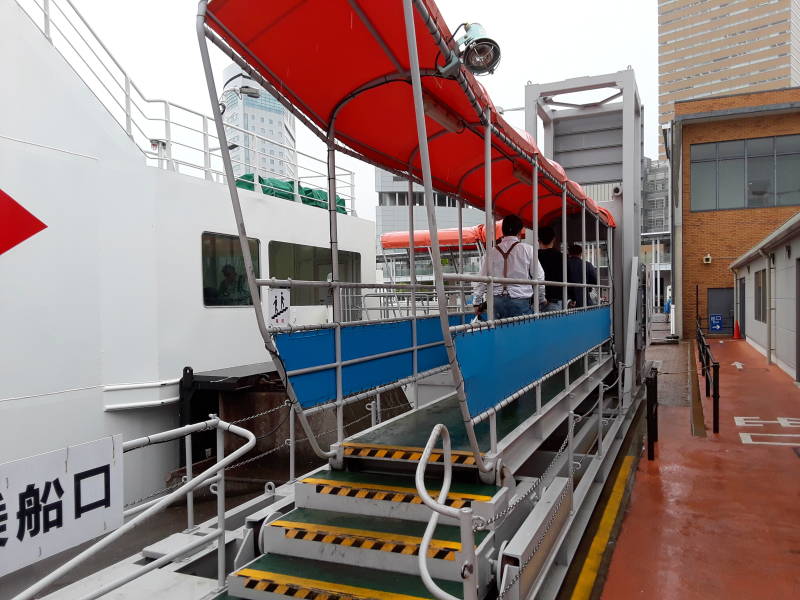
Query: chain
column 335, row 429
column 154, row 494
column 256, row 457
column 554, row 513
column 262, row 413
column 546, row 477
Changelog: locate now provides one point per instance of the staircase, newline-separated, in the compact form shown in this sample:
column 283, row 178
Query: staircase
column 355, row 534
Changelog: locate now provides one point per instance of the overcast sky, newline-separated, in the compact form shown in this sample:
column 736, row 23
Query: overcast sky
column 155, row 41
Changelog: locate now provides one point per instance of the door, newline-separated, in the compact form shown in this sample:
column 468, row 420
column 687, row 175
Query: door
column 797, row 319
column 742, row 318
column 720, row 311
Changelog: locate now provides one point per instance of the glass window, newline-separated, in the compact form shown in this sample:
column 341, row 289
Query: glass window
column 760, row 178
column 704, row 151
column 310, row 263
column 760, row 147
column 787, row 175
column 787, row 144
column 224, row 279
column 734, row 149
column 760, row 299
column 730, row 183
column 704, row 186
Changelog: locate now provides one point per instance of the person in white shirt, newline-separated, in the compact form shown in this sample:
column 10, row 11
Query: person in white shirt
column 511, row 259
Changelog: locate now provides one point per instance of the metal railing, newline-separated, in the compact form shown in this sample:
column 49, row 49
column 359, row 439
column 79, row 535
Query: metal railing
column 710, row 368
column 171, row 136
column 214, row 474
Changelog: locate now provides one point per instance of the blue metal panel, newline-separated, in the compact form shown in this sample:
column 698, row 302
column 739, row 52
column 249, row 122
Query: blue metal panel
column 498, row 362
column 303, row 349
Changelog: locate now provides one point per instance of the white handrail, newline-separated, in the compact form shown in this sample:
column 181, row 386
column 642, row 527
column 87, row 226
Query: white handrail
column 189, row 486
column 438, row 506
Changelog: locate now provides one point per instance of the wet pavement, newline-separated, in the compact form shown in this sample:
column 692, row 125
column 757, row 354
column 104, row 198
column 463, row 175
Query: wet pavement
column 717, row 516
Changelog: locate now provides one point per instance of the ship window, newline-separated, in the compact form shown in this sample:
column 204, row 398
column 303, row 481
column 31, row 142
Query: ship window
column 310, row 263
column 224, row 279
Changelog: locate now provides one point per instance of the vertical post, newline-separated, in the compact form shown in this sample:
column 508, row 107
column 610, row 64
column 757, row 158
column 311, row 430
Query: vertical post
column 206, row 151
column 292, row 443
column 128, row 120
column 221, row 510
column 651, row 384
column 583, row 255
column 168, row 136
column 470, row 568
column 489, row 207
column 538, row 398
column 535, row 228
column 412, row 266
column 715, row 396
column 493, row 431
column 373, row 419
column 187, row 445
column 596, row 257
column 46, row 15
column 564, row 298
column 336, row 299
column 571, row 454
column 378, row 406
column 600, row 408
column 463, row 299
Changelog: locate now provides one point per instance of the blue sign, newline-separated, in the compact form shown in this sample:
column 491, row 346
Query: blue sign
column 715, row 322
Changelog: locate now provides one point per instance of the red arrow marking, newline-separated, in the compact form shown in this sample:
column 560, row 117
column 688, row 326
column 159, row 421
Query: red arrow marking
column 16, row 223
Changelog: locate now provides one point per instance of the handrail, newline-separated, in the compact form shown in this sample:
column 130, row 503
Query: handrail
column 710, row 369
column 464, row 516
column 185, row 489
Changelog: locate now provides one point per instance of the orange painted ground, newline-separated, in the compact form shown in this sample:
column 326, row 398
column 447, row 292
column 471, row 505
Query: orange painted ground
column 713, row 517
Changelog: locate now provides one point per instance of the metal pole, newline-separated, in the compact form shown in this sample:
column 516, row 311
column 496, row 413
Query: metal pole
column 190, row 496
column 206, row 151
column 583, row 253
column 422, row 140
column 493, row 432
column 336, row 300
column 564, row 245
column 600, row 392
column 168, row 136
column 412, row 261
column 221, row 511
column 463, row 301
column 292, row 443
column 535, row 227
column 571, row 453
column 651, row 411
column 269, row 343
column 715, row 396
column 378, row 406
column 46, row 15
column 596, row 254
column 489, row 207
column 128, row 126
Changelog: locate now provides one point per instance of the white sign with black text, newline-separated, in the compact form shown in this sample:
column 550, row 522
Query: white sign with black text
column 54, row 501
column 278, row 306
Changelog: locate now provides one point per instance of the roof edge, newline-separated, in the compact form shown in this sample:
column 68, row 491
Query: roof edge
column 788, row 229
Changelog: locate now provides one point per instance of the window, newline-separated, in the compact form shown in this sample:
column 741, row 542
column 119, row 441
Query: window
column 224, row 279
column 754, row 173
column 310, row 263
column 760, row 304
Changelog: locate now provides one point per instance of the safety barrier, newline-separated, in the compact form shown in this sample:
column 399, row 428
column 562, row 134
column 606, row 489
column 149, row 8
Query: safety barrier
column 710, row 369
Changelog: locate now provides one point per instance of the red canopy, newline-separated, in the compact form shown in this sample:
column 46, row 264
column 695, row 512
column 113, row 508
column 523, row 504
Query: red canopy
column 448, row 238
column 344, row 65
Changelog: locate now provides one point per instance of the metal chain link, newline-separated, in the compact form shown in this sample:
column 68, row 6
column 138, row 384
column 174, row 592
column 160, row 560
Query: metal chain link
column 547, row 477
column 262, row 413
column 553, row 515
column 256, row 457
column 155, row 494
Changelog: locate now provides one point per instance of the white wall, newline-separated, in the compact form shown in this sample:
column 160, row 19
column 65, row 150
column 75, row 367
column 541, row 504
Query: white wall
column 111, row 291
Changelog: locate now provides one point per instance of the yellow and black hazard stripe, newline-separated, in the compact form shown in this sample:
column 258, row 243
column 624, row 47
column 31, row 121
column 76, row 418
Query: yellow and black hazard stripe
column 368, row 540
column 311, row 589
column 386, row 495
column 457, row 457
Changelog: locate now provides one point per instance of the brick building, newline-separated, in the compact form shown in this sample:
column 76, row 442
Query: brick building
column 735, row 178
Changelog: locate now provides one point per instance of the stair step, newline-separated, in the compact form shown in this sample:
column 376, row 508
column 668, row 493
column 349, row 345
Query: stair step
column 360, row 532
column 356, row 450
column 273, row 575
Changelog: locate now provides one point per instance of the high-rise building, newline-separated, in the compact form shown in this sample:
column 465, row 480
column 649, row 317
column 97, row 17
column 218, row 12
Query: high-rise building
column 271, row 151
column 656, row 248
column 714, row 47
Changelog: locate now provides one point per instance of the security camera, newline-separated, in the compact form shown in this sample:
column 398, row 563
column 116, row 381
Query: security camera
column 707, row 259
column 616, row 190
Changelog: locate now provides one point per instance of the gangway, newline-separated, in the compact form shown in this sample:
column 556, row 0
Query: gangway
column 485, row 491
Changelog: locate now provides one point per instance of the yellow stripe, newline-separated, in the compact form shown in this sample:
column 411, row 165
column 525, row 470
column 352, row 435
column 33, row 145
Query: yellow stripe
column 281, row 589
column 362, row 493
column 406, row 448
column 328, row 483
column 301, row 593
column 330, row 531
column 397, row 455
column 328, row 586
column 586, row 580
column 381, row 453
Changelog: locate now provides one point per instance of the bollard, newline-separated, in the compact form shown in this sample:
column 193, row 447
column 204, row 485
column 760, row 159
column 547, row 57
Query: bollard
column 651, row 412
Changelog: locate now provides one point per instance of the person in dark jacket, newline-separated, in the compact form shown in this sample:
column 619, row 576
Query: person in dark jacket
column 551, row 260
column 575, row 264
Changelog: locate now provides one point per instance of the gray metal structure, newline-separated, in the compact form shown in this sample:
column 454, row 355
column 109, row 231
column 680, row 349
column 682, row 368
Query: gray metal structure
column 599, row 142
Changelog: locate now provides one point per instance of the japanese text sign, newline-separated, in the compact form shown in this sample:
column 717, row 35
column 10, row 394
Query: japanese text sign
column 57, row 500
column 715, row 322
column 278, row 307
